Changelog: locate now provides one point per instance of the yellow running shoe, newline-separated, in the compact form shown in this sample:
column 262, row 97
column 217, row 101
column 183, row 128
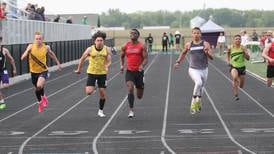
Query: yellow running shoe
column 3, row 106
column 193, row 108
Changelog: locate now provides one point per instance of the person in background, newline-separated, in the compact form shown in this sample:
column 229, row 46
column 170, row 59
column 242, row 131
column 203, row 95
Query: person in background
column 178, row 37
column 221, row 44
column 85, row 20
column 69, row 20
column 165, row 42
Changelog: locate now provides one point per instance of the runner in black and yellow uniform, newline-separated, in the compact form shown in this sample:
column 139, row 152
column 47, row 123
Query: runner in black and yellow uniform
column 37, row 53
column 99, row 61
column 236, row 56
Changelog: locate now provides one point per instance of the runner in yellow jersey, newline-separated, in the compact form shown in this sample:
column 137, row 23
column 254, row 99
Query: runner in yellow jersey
column 236, row 56
column 99, row 61
column 37, row 53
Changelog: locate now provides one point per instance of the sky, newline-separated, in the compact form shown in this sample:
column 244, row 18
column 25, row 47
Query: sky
column 129, row 6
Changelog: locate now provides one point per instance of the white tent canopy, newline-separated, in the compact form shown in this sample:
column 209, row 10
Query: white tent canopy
column 197, row 22
column 210, row 27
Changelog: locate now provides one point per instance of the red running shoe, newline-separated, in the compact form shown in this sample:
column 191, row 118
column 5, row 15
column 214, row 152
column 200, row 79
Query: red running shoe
column 44, row 101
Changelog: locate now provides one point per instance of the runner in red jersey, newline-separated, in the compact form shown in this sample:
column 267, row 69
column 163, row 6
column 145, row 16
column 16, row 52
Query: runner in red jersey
column 136, row 55
column 268, row 54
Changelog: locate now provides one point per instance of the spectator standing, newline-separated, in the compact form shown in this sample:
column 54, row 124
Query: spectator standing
column 69, row 20
column 221, row 43
column 85, row 20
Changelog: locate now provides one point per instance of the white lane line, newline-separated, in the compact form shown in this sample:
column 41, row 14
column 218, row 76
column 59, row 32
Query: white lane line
column 21, row 149
column 163, row 135
column 18, row 93
column 49, row 81
column 253, row 99
column 225, row 126
column 60, row 90
column 25, row 108
column 94, row 142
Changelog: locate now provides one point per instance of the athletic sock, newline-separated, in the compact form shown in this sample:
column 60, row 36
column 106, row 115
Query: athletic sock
column 102, row 103
column 42, row 92
column 130, row 100
column 38, row 95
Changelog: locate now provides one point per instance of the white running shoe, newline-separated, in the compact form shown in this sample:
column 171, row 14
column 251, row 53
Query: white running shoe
column 130, row 114
column 101, row 114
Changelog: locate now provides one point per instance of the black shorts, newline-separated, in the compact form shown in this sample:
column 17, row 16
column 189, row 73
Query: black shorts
column 270, row 71
column 177, row 41
column 137, row 77
column 240, row 70
column 100, row 79
column 35, row 76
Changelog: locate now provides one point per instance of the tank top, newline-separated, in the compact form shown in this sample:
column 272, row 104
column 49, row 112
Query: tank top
column 197, row 57
column 237, row 57
column 271, row 53
column 97, row 61
column 38, row 58
column 134, row 54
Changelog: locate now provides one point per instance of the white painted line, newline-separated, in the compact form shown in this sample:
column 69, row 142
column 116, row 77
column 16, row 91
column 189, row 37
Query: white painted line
column 263, row 80
column 163, row 135
column 240, row 152
column 253, row 99
column 47, row 82
column 60, row 90
column 15, row 94
column 95, row 139
column 162, row 152
column 21, row 149
column 224, row 124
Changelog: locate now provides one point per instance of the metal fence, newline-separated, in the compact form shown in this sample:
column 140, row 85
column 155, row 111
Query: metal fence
column 67, row 41
column 16, row 31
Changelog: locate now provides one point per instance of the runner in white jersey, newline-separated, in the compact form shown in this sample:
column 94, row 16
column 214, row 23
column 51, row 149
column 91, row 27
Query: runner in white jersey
column 199, row 52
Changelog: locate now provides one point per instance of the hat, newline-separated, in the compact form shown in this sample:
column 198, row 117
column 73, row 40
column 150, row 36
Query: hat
column 177, row 32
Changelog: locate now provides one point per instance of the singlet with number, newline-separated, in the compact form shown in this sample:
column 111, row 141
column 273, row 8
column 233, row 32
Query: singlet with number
column 38, row 58
column 237, row 57
column 97, row 61
column 197, row 57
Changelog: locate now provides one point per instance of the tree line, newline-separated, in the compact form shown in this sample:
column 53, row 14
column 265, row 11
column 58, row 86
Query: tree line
column 224, row 17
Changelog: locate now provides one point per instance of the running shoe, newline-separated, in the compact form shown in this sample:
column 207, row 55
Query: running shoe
column 40, row 107
column 130, row 114
column 236, row 98
column 44, row 101
column 101, row 114
column 3, row 106
column 198, row 104
column 193, row 108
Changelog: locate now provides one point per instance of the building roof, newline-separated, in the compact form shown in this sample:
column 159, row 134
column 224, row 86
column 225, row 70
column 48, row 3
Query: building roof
column 197, row 22
column 210, row 27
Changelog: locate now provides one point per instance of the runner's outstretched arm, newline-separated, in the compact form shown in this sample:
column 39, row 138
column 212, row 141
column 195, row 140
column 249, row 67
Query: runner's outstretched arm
column 182, row 55
column 53, row 56
column 108, row 59
column 208, row 50
column 145, row 58
column 122, row 59
column 26, row 53
column 11, row 60
column 82, row 59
